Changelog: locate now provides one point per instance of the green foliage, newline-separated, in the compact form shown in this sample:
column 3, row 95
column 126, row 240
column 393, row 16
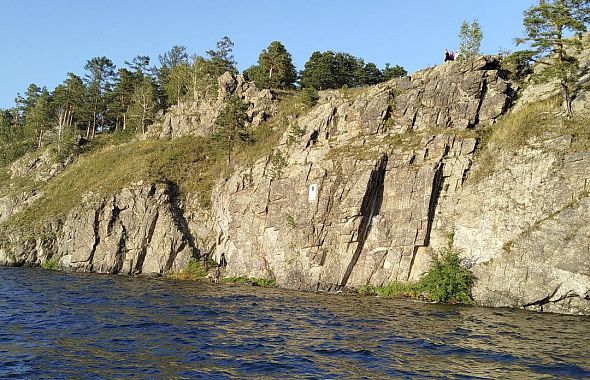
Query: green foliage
column 397, row 289
column 518, row 63
column 142, row 108
column 263, row 282
column 334, row 70
column 295, row 132
column 222, row 57
column 15, row 141
column 100, row 73
column 393, row 72
column 290, row 221
column 470, row 36
column 367, row 290
column 275, row 68
column 309, row 96
column 177, row 86
column 547, row 26
column 277, row 163
column 194, row 271
column 52, row 264
column 447, row 280
column 231, row 124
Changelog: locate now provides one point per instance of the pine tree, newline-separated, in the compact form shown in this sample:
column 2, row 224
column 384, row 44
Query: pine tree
column 393, row 72
column 101, row 71
column 275, row 68
column 231, row 124
column 39, row 118
column 548, row 27
column 222, row 57
column 175, row 57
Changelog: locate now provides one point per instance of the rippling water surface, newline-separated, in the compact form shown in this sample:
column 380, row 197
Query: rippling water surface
column 56, row 325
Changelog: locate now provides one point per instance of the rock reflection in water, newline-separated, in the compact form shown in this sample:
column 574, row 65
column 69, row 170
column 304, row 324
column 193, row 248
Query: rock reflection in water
column 57, row 325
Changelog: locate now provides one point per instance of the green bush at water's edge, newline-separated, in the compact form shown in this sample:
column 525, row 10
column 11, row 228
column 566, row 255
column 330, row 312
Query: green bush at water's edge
column 446, row 281
column 194, row 271
column 52, row 264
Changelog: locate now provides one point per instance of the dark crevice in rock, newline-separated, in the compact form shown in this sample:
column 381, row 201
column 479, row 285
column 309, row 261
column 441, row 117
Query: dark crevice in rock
column 388, row 114
column 482, row 96
column 437, row 186
column 114, row 217
column 491, row 64
column 96, row 231
column 121, row 251
column 414, row 252
column 370, row 207
column 181, row 224
column 313, row 138
column 466, row 172
column 548, row 299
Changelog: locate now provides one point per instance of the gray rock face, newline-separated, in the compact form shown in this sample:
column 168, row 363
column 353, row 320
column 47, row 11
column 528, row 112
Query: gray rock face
column 525, row 229
column 454, row 95
column 198, row 118
column 359, row 203
column 377, row 191
column 377, row 181
column 141, row 230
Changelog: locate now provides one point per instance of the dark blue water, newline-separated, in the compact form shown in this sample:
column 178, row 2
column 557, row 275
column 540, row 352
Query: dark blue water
column 55, row 325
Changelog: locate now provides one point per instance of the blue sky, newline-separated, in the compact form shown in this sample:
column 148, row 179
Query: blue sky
column 42, row 40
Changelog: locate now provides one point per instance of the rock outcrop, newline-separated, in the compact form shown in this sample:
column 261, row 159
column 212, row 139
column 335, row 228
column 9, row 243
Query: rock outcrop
column 371, row 184
column 364, row 198
column 141, row 230
column 198, row 118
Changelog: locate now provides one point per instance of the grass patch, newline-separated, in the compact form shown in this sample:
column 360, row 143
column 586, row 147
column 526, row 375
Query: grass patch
column 193, row 271
column 250, row 281
column 192, row 163
column 534, row 123
column 52, row 264
column 107, row 165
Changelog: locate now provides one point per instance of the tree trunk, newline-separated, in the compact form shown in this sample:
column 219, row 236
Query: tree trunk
column 40, row 137
column 567, row 101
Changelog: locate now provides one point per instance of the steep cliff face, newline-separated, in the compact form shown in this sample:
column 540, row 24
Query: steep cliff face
column 377, row 182
column 525, row 229
column 361, row 189
column 356, row 200
column 141, row 230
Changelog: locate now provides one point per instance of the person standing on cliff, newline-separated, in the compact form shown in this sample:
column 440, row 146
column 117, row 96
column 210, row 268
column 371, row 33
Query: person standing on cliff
column 222, row 261
column 449, row 55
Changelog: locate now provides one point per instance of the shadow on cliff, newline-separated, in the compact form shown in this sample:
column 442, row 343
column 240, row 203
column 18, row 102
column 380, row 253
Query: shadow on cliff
column 371, row 206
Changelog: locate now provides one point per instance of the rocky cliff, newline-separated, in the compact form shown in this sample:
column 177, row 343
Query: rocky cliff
column 361, row 189
column 140, row 230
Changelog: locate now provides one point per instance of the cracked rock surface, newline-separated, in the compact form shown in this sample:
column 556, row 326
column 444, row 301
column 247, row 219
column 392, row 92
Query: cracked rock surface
column 372, row 186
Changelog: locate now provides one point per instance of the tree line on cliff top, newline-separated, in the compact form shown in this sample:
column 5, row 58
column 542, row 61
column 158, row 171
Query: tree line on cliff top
column 126, row 100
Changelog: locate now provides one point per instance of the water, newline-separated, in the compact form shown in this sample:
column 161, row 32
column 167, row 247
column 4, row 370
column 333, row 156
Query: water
column 55, row 325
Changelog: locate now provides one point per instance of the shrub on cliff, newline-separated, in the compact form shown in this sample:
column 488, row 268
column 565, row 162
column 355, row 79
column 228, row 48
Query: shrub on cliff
column 447, row 280
column 194, row 271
